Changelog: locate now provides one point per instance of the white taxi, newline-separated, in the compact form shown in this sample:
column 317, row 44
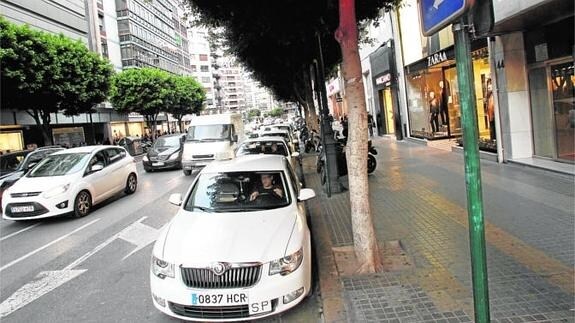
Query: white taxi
column 239, row 247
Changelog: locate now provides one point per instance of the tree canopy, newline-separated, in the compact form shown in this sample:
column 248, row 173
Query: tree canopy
column 43, row 73
column 277, row 41
column 149, row 91
column 189, row 97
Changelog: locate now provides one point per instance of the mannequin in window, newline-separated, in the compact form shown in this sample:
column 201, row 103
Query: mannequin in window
column 490, row 109
column 434, row 112
column 443, row 103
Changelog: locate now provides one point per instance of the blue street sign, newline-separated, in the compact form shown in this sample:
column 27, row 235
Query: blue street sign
column 436, row 14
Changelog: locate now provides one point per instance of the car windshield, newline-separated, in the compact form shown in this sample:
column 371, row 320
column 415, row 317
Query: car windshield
column 60, row 164
column 35, row 157
column 262, row 147
column 238, row 192
column 212, row 132
column 11, row 162
column 171, row 141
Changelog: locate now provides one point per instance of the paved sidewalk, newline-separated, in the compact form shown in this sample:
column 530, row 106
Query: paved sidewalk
column 418, row 198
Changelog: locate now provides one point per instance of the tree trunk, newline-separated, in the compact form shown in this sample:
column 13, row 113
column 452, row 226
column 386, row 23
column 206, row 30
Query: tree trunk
column 180, row 123
column 308, row 97
column 365, row 242
column 43, row 120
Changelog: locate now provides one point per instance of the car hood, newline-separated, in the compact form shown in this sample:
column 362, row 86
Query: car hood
column 11, row 177
column 162, row 151
column 40, row 184
column 202, row 238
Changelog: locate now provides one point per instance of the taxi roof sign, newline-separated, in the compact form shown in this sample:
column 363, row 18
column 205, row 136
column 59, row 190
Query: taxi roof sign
column 437, row 14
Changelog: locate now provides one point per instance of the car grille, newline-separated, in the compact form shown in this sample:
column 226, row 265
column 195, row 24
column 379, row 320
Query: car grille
column 214, row 312
column 25, row 194
column 38, row 210
column 232, row 278
column 159, row 158
column 203, row 156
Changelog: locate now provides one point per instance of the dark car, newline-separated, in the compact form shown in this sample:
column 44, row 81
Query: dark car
column 15, row 165
column 165, row 153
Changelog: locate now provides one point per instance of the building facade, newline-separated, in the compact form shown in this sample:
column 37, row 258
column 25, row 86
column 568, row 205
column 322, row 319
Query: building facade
column 533, row 60
column 153, row 34
column 523, row 81
column 201, row 63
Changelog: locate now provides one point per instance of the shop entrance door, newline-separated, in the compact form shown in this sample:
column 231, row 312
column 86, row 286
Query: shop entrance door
column 388, row 108
column 380, row 116
column 552, row 96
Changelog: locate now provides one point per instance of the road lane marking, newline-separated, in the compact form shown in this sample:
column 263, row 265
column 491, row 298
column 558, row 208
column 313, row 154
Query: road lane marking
column 140, row 235
column 45, row 282
column 136, row 233
column 20, row 231
column 12, row 263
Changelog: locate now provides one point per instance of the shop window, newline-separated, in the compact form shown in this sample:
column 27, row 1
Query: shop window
column 553, row 111
column 564, row 109
column 11, row 141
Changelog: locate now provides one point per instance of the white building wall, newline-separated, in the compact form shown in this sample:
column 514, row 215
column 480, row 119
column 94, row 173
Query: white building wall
column 113, row 40
column 411, row 44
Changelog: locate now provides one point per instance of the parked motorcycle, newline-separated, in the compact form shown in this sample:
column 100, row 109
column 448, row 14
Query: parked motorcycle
column 342, row 160
column 310, row 139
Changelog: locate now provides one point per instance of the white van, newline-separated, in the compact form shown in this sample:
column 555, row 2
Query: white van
column 211, row 137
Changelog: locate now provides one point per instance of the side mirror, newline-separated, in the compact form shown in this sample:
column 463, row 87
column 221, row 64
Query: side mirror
column 306, row 194
column 176, row 199
column 295, row 154
column 96, row 168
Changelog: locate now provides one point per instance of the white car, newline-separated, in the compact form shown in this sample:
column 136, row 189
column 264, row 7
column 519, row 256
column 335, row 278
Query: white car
column 71, row 181
column 270, row 146
column 231, row 254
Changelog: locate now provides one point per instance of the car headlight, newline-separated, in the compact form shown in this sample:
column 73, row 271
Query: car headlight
column 287, row 264
column 174, row 156
column 145, row 158
column 161, row 268
column 56, row 191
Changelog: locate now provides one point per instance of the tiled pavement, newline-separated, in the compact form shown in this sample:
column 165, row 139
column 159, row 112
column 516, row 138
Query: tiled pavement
column 418, row 197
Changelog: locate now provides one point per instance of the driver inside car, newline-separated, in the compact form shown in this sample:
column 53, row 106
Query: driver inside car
column 267, row 187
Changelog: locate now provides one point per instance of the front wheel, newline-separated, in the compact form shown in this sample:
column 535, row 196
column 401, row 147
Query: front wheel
column 187, row 172
column 82, row 204
column 131, row 184
column 371, row 163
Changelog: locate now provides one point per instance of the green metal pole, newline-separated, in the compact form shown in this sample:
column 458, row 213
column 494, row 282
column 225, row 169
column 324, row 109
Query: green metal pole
column 472, row 171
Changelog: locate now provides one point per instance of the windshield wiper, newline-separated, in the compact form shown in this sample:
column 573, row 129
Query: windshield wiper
column 202, row 208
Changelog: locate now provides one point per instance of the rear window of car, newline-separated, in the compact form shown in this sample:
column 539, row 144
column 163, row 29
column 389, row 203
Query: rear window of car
column 263, row 147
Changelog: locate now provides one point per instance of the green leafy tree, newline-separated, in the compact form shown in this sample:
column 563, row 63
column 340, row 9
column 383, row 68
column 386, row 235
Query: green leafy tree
column 189, row 97
column 254, row 113
column 43, row 73
column 276, row 112
column 147, row 91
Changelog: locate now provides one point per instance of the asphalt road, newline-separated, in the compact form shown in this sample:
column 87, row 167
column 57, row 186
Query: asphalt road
column 96, row 269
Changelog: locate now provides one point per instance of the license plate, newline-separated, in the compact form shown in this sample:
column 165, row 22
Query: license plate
column 21, row 209
column 219, row 299
column 158, row 164
column 260, row 307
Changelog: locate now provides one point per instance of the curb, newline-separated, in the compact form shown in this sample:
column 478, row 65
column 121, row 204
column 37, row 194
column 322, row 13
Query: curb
column 330, row 286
